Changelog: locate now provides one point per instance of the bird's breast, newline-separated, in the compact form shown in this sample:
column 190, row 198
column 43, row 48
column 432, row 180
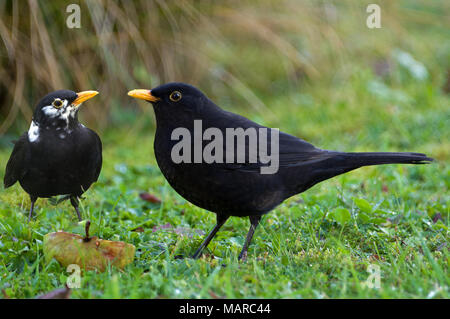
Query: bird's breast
column 216, row 188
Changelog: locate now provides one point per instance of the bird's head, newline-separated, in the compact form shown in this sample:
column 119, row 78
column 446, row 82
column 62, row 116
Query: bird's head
column 60, row 108
column 174, row 101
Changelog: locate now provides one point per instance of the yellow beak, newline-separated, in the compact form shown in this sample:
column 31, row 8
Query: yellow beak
column 143, row 95
column 83, row 96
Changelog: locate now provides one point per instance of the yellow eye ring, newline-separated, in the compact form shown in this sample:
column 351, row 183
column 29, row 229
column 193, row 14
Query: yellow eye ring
column 57, row 103
column 175, row 96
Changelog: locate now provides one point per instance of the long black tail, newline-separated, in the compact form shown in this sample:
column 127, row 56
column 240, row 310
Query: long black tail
column 378, row 158
column 336, row 163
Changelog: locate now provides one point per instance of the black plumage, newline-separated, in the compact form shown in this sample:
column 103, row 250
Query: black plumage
column 239, row 189
column 58, row 155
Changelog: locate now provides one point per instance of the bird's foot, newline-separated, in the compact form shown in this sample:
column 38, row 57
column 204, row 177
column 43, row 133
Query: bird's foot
column 86, row 229
column 196, row 256
column 198, row 253
column 243, row 256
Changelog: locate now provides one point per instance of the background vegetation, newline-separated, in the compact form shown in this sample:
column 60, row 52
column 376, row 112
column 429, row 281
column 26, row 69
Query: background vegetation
column 311, row 68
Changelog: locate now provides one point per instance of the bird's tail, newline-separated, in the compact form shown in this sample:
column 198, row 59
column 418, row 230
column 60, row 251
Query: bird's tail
column 336, row 163
column 378, row 158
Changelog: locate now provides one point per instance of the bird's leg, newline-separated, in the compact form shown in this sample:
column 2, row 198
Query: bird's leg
column 33, row 200
column 221, row 219
column 254, row 221
column 74, row 202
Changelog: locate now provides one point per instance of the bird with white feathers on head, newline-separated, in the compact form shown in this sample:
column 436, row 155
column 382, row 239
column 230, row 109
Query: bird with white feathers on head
column 58, row 155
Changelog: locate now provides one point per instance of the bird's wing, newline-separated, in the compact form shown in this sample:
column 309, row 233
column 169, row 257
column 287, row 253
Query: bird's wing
column 96, row 157
column 292, row 151
column 15, row 168
column 295, row 151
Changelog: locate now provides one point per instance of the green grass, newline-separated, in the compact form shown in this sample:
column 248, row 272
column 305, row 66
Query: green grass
column 315, row 245
column 305, row 67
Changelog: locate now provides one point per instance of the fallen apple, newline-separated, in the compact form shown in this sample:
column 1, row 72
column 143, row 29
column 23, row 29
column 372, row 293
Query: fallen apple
column 87, row 252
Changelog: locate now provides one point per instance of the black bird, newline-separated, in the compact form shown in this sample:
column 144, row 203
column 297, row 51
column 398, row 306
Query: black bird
column 233, row 188
column 58, row 155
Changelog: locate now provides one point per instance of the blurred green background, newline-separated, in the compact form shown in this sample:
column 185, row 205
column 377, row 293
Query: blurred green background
column 311, row 68
column 241, row 53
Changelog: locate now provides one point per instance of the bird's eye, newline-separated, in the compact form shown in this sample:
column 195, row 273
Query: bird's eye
column 57, row 103
column 175, row 96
